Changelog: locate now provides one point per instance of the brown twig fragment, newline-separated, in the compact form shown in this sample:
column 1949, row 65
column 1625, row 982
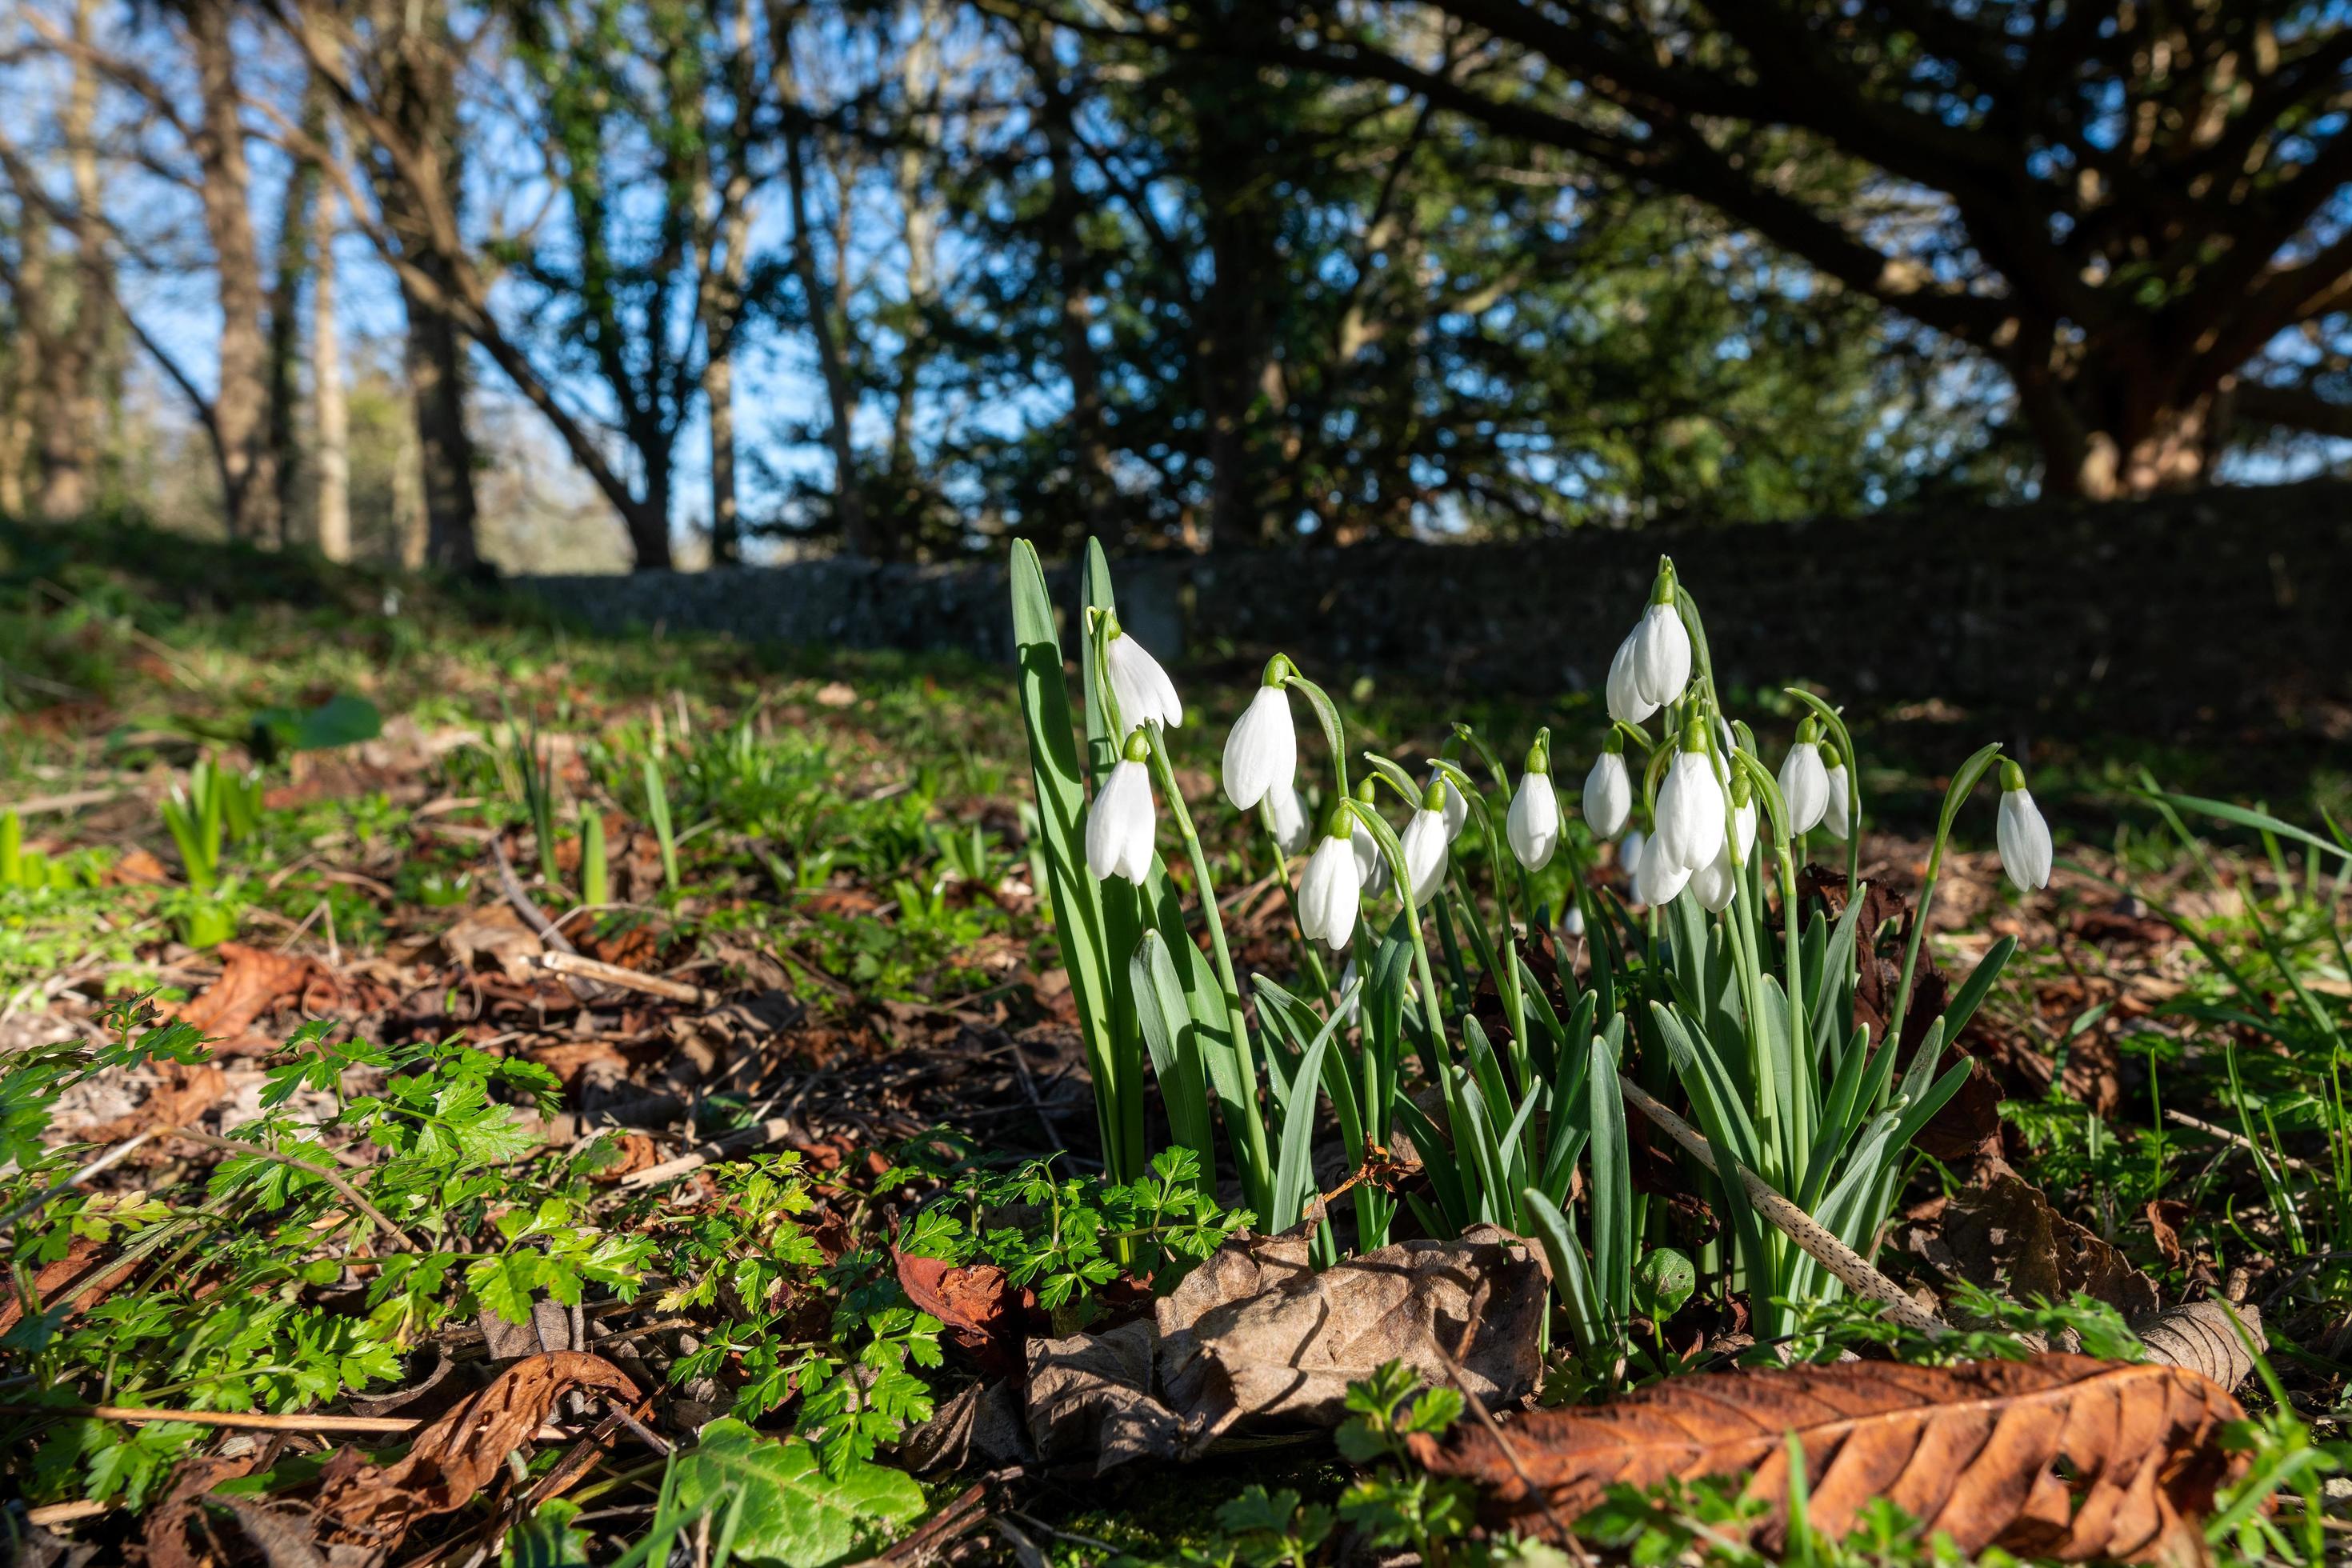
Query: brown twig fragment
column 573, row 963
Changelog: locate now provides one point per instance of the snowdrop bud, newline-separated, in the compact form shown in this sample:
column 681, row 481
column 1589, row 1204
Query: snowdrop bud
column 1286, row 818
column 1119, row 823
column 1837, row 803
column 1657, row 878
column 1662, row 655
column 1146, row 695
column 1328, row 892
column 1533, row 825
column 1608, row 791
column 1690, row 808
column 1626, row 704
column 1424, row 845
column 1456, row 809
column 2023, row 836
column 1804, row 782
column 1716, row 883
column 1263, row 750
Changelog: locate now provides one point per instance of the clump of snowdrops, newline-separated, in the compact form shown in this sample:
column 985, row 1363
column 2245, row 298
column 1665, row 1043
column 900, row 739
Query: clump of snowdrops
column 1420, row 1016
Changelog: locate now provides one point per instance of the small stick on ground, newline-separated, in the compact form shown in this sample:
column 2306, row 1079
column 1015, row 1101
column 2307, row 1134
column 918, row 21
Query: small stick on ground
column 1850, row 1267
column 571, row 964
column 240, row 1420
column 776, row 1130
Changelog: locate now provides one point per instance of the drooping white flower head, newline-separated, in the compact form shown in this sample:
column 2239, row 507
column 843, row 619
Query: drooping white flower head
column 1804, row 782
column 1533, row 824
column 1608, row 791
column 1425, row 844
column 1743, row 821
column 1657, row 878
column 1690, row 829
column 1458, row 809
column 1371, row 864
column 1121, row 821
column 1146, row 695
column 1286, row 818
column 1571, row 919
column 1626, row 704
column 2023, row 836
column 1662, row 655
column 1263, row 750
column 1631, row 847
column 1837, row 803
column 1328, row 892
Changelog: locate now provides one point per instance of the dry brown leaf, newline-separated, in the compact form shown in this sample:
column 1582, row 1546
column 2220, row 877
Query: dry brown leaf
column 166, row 1536
column 373, row 1506
column 2061, row 1457
column 496, row 935
column 1256, row 1332
column 253, row 981
column 983, row 1312
column 2005, row 1237
column 186, row 1092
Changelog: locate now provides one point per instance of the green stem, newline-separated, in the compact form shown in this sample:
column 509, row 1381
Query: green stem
column 1205, row 890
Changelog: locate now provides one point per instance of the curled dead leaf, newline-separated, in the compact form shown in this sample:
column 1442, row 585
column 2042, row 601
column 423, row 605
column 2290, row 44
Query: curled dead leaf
column 373, row 1506
column 984, row 1313
column 2060, row 1456
column 252, row 982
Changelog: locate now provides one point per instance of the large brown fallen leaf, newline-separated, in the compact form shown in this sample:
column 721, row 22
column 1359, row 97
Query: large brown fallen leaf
column 982, row 1311
column 372, row 1506
column 1256, row 1333
column 252, row 982
column 2060, row 1456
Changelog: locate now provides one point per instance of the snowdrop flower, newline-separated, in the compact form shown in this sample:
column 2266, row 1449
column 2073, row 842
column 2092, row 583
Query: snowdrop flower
column 1804, row 782
column 1743, row 820
column 1608, row 790
column 1145, row 694
column 1286, row 818
column 1263, row 750
column 2023, row 836
column 1425, row 844
column 1457, row 810
column 1837, row 805
column 1533, row 824
column 1329, row 891
column 1657, row 878
column 1654, row 663
column 1626, row 704
column 1119, row 823
column 1690, row 807
column 1716, row 883
column 1571, row 919
column 1629, row 848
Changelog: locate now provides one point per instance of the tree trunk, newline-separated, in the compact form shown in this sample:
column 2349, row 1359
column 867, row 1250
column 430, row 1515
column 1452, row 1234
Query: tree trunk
column 436, row 361
column 296, row 235
column 73, row 412
column 241, row 408
column 2112, row 424
column 857, row 537
column 330, row 411
column 1089, row 454
column 721, row 294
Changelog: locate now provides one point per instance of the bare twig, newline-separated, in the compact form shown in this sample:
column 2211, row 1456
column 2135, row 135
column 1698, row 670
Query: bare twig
column 241, row 1420
column 774, row 1130
column 628, row 979
column 1850, row 1267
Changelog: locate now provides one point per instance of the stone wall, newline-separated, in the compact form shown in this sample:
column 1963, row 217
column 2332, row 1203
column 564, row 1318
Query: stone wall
column 2214, row 607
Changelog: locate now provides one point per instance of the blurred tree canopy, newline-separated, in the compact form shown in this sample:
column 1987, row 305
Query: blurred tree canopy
column 913, row 277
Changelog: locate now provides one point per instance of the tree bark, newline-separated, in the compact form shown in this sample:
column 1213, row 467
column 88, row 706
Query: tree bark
column 1074, row 278
column 73, row 412
column 857, row 536
column 296, row 235
column 722, row 290
column 330, row 410
column 249, row 467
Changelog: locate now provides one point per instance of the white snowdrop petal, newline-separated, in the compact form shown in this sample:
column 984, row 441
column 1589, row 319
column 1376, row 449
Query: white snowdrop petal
column 1662, row 656
column 1291, row 829
column 1837, row 803
column 1626, row 703
column 1119, row 825
column 1262, row 749
column 1533, row 825
column 1424, row 845
column 1327, row 894
column 1715, row 884
column 2024, row 838
column 1690, row 811
column 1371, row 864
column 1805, row 786
column 1608, row 795
column 1145, row 694
column 1658, row 879
column 1457, row 810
